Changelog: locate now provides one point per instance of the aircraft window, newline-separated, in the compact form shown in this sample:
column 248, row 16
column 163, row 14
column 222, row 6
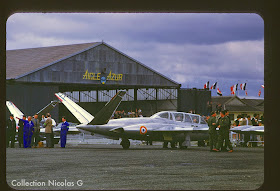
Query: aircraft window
column 179, row 117
column 195, row 119
column 164, row 115
column 188, row 118
column 202, row 121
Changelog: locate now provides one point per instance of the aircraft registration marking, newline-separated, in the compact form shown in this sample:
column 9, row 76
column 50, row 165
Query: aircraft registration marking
column 143, row 130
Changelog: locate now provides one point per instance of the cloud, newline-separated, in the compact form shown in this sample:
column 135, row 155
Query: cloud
column 238, row 59
column 178, row 28
column 188, row 48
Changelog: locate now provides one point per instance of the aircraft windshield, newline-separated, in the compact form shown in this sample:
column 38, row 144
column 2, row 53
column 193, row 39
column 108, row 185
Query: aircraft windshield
column 163, row 115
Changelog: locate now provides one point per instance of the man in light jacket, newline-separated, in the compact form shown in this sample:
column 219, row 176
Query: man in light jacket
column 48, row 130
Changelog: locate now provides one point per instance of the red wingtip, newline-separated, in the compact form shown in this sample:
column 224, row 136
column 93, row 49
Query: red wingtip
column 58, row 98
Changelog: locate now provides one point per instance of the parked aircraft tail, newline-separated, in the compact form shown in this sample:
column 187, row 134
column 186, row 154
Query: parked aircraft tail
column 82, row 115
column 14, row 110
column 105, row 114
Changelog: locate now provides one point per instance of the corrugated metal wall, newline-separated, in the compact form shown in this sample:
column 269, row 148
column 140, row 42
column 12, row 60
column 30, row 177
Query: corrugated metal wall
column 86, row 68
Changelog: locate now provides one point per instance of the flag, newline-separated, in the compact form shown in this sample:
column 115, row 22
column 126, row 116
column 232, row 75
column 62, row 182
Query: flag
column 236, row 86
column 214, row 86
column 219, row 92
column 260, row 92
column 243, row 86
column 262, row 86
column 232, row 90
column 206, row 85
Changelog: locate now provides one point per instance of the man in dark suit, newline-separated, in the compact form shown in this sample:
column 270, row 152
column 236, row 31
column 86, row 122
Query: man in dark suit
column 20, row 131
column 11, row 131
column 35, row 136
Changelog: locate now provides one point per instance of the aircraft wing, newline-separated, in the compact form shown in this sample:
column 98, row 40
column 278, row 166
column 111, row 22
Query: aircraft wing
column 82, row 115
column 14, row 110
column 259, row 130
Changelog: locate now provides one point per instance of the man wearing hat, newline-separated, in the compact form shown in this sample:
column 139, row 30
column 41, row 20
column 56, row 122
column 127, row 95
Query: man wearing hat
column 11, row 131
column 212, row 123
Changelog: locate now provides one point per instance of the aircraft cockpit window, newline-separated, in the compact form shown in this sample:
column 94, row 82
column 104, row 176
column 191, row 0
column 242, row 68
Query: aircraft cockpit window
column 164, row 115
column 195, row 119
column 202, row 121
column 188, row 118
column 179, row 117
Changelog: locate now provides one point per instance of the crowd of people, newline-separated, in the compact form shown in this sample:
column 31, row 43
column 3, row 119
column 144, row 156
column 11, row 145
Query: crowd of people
column 219, row 140
column 29, row 131
column 129, row 114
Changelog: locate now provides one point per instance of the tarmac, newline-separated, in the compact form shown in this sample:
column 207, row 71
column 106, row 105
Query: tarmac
column 106, row 166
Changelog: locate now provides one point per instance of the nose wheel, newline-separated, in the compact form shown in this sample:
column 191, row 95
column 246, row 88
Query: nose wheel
column 125, row 143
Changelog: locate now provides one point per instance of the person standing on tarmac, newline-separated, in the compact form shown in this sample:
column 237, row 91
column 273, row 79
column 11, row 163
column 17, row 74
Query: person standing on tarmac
column 223, row 124
column 11, row 131
column 27, row 132
column 35, row 137
column 48, row 130
column 20, row 131
column 63, row 132
column 229, row 126
column 212, row 123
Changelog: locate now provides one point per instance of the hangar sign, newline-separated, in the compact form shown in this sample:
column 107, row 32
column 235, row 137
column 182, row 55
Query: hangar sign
column 97, row 76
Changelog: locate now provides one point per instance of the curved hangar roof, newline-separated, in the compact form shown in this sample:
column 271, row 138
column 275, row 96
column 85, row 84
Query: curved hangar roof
column 81, row 63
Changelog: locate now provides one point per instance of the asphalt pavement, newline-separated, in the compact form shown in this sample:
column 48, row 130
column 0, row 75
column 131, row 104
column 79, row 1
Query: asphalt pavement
column 108, row 166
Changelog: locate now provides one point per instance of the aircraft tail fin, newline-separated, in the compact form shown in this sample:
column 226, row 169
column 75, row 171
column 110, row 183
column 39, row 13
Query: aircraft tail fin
column 82, row 115
column 48, row 108
column 14, row 110
column 105, row 114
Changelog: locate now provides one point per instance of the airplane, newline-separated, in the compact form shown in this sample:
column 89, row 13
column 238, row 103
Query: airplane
column 164, row 126
column 248, row 129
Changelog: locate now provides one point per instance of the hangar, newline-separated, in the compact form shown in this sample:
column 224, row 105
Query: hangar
column 90, row 74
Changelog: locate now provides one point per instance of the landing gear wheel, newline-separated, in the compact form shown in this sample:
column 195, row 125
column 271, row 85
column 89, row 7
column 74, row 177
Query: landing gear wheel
column 165, row 144
column 125, row 143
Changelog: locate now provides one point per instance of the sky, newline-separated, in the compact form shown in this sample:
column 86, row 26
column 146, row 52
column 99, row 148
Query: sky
column 189, row 48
